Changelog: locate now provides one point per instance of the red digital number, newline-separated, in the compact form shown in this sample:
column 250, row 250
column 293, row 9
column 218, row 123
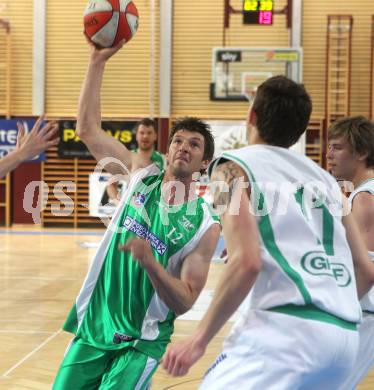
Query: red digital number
column 266, row 17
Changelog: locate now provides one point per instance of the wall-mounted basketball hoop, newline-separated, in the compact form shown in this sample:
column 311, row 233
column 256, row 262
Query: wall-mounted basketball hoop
column 237, row 72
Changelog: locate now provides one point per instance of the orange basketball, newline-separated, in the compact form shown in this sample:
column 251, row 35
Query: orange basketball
column 107, row 22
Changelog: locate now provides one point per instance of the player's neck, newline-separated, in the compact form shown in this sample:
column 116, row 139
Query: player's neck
column 362, row 175
column 254, row 138
column 145, row 153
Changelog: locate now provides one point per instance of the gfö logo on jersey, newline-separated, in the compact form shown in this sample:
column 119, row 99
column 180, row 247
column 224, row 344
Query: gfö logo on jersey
column 186, row 223
column 316, row 263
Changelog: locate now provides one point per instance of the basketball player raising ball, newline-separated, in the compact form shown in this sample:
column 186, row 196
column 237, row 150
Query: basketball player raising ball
column 299, row 326
column 123, row 316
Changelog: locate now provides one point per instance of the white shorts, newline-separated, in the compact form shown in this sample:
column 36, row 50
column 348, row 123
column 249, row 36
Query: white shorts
column 282, row 352
column 365, row 357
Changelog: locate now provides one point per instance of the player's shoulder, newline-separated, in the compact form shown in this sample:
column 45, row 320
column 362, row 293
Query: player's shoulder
column 363, row 207
column 227, row 170
column 364, row 200
column 147, row 175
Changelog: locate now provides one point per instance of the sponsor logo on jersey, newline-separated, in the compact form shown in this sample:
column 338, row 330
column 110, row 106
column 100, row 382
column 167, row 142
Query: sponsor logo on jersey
column 119, row 338
column 139, row 199
column 317, row 263
column 132, row 225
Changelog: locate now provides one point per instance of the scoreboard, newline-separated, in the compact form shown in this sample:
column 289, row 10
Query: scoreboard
column 258, row 12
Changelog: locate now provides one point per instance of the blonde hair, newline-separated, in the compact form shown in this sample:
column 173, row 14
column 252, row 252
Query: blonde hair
column 358, row 131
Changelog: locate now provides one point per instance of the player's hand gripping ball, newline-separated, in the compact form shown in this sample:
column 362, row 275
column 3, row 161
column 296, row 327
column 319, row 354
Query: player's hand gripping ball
column 107, row 22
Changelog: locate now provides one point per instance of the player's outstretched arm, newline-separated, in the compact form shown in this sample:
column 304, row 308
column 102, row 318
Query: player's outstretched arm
column 178, row 294
column 237, row 278
column 100, row 144
column 364, row 267
column 30, row 145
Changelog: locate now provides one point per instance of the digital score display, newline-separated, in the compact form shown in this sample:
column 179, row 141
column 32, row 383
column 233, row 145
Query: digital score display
column 258, row 12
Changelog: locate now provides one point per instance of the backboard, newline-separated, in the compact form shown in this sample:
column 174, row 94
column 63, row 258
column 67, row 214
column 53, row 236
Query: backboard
column 237, row 72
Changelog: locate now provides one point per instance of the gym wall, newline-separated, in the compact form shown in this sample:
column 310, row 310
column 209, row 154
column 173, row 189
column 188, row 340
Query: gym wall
column 20, row 15
column 314, row 43
column 197, row 27
column 127, row 83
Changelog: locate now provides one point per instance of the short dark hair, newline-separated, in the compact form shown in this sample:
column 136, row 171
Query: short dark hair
column 358, row 131
column 283, row 109
column 147, row 122
column 198, row 126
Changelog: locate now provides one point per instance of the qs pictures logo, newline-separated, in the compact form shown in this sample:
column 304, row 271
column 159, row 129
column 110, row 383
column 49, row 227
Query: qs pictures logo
column 316, row 263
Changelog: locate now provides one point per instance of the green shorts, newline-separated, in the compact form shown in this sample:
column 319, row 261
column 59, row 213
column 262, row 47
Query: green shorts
column 87, row 367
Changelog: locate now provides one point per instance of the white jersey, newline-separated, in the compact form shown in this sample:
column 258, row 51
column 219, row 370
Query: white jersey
column 307, row 264
column 367, row 302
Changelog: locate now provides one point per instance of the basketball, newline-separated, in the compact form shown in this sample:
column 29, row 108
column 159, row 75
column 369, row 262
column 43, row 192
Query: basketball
column 107, row 22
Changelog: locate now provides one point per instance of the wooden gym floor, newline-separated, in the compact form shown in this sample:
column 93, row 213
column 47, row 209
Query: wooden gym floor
column 41, row 274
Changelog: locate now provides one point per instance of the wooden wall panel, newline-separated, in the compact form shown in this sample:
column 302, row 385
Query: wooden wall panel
column 314, row 42
column 20, row 15
column 198, row 27
column 126, row 87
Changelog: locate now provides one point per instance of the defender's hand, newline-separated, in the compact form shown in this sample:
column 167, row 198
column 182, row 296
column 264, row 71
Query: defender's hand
column 179, row 358
column 37, row 140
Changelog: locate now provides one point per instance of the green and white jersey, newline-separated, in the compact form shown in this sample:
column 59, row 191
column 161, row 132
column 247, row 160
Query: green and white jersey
column 307, row 264
column 156, row 158
column 367, row 302
column 117, row 299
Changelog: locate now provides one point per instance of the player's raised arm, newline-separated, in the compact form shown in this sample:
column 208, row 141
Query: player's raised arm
column 100, row 144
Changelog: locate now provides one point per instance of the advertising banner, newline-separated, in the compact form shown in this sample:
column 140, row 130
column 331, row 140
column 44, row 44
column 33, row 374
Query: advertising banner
column 71, row 146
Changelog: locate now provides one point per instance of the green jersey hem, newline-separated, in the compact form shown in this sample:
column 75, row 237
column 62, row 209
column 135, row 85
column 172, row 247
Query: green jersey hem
column 311, row 312
column 151, row 348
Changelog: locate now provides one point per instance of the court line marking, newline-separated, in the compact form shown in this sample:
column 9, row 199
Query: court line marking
column 25, row 331
column 12, row 320
column 6, row 373
column 66, row 233
column 41, row 278
column 182, row 383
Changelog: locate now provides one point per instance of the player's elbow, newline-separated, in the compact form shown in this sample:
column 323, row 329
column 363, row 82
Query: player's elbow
column 185, row 304
column 254, row 265
column 82, row 131
column 250, row 265
column 371, row 274
column 183, row 308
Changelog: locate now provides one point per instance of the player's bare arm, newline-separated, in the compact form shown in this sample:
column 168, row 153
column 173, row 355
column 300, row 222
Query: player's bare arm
column 100, row 144
column 363, row 211
column 238, row 277
column 364, row 267
column 178, row 294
